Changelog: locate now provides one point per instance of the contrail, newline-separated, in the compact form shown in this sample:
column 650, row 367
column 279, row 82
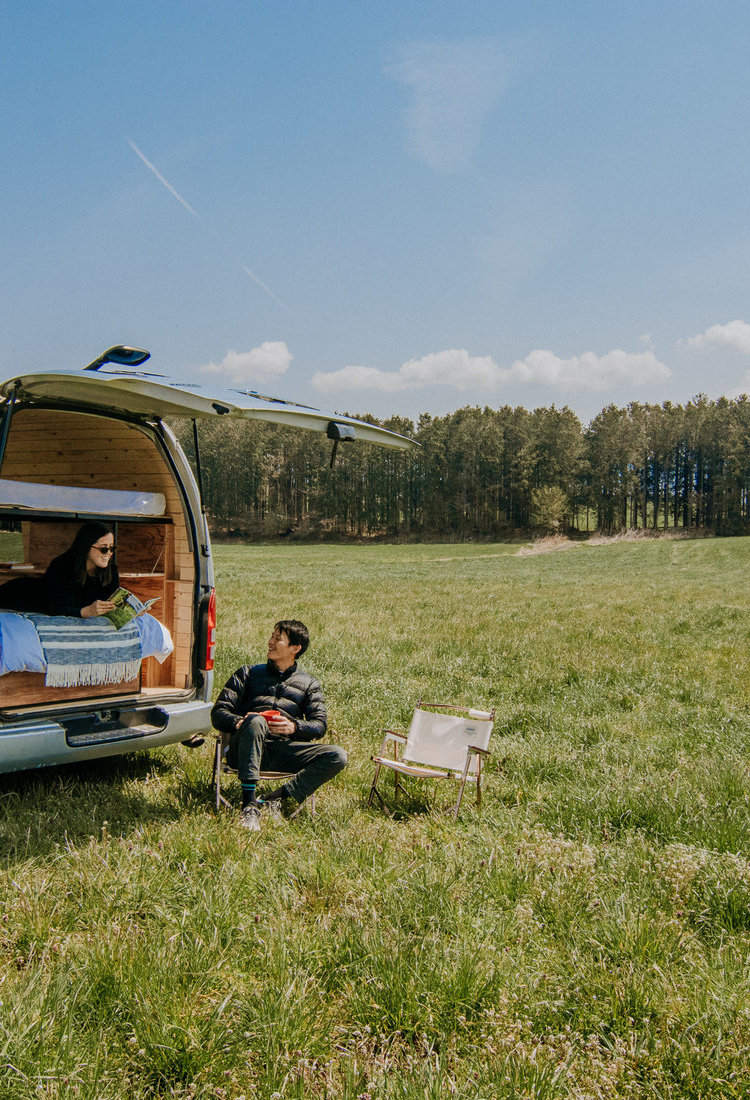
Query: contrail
column 264, row 287
column 161, row 179
column 188, row 207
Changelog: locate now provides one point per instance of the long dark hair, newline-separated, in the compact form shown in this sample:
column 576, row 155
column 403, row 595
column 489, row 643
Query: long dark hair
column 87, row 535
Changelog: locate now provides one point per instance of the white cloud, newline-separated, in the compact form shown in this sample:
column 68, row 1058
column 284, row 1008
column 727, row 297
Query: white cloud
column 455, row 84
column 735, row 334
column 453, row 367
column 269, row 360
column 358, row 378
column 589, row 371
column 456, row 367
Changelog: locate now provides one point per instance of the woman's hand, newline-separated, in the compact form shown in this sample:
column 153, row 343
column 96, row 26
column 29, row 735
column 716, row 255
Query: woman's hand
column 98, row 607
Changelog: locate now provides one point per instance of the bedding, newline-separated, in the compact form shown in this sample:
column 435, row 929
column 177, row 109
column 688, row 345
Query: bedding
column 21, row 648
column 74, row 498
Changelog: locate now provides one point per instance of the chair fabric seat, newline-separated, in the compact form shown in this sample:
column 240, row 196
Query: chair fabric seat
column 416, row 770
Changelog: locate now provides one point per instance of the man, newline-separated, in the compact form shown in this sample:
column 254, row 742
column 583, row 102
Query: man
column 273, row 714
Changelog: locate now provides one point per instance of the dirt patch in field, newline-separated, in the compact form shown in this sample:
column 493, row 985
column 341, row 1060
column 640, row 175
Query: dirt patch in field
column 547, row 545
column 562, row 542
column 639, row 535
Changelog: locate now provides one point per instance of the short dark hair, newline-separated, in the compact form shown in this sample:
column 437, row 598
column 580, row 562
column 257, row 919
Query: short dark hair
column 296, row 632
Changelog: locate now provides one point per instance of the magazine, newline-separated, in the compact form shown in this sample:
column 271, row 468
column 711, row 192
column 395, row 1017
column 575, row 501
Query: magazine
column 127, row 607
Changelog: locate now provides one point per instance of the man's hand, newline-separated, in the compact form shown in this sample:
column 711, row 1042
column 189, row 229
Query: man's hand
column 281, row 726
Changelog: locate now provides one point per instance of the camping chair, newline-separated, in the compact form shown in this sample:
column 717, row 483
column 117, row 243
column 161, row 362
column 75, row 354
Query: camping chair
column 438, row 746
column 222, row 768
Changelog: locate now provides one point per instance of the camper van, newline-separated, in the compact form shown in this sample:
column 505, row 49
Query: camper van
column 92, row 444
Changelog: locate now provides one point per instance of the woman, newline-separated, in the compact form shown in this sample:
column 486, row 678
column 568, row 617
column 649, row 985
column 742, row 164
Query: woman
column 80, row 581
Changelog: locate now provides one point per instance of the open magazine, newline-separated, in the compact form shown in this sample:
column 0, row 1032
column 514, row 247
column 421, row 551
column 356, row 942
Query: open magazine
column 127, row 607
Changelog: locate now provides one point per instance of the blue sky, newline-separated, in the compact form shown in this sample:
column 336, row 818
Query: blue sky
column 385, row 207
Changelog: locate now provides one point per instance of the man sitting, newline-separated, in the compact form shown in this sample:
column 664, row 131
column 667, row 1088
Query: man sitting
column 281, row 739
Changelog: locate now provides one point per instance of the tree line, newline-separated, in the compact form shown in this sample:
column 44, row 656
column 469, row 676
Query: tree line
column 483, row 472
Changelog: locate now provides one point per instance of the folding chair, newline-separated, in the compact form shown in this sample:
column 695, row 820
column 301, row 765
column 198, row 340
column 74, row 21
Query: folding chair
column 438, row 746
column 222, row 768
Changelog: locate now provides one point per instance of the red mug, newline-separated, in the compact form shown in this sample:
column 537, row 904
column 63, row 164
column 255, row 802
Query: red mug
column 270, row 714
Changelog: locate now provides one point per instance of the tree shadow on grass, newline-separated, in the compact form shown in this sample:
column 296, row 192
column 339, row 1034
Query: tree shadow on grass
column 70, row 803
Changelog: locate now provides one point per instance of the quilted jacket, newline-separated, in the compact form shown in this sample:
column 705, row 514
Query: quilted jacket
column 254, row 688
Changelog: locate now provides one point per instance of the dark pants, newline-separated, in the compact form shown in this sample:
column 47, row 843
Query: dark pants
column 252, row 750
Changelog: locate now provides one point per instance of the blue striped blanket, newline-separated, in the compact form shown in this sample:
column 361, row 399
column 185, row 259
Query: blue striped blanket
column 87, row 651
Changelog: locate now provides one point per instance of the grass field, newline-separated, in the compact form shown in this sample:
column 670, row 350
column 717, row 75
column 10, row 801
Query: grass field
column 586, row 935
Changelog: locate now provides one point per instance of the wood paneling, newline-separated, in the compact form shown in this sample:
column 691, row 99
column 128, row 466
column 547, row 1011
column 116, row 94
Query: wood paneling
column 24, row 689
column 57, row 448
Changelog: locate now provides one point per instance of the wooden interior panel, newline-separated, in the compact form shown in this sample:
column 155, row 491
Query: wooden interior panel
column 153, row 558
column 65, row 448
column 141, row 547
column 23, row 689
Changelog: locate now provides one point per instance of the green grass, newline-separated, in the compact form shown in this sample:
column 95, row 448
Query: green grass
column 586, row 935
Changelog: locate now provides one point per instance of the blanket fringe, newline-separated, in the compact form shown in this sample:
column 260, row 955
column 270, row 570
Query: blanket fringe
column 113, row 672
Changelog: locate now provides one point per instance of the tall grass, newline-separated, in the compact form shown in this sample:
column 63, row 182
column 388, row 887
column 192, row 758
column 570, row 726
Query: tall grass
column 585, row 935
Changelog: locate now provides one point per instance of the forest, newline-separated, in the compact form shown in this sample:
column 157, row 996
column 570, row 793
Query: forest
column 485, row 473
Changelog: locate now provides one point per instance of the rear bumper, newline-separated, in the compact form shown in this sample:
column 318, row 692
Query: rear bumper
column 44, row 743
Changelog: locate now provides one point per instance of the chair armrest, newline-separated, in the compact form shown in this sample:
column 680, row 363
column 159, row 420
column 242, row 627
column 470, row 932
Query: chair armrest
column 391, row 735
column 478, row 751
column 394, row 735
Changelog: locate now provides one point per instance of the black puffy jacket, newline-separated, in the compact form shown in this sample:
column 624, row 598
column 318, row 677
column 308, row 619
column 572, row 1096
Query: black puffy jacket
column 64, row 595
column 254, row 688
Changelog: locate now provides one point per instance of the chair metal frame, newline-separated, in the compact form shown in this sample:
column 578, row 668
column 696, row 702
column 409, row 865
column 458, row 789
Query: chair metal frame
column 471, row 772
column 222, row 768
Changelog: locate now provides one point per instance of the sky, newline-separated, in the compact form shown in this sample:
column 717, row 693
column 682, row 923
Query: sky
column 385, row 207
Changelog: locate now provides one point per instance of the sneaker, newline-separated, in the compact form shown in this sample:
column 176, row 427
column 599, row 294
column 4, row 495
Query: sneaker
column 250, row 819
column 273, row 810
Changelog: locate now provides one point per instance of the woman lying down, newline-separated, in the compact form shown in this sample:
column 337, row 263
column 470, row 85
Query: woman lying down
column 77, row 585
column 80, row 583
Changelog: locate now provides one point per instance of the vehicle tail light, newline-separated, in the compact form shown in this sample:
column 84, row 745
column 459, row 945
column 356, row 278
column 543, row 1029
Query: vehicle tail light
column 208, row 630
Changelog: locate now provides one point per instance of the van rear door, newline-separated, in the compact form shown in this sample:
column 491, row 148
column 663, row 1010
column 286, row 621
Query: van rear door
column 138, row 393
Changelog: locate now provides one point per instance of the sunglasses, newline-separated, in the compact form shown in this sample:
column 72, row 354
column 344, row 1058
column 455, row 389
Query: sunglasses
column 105, row 549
